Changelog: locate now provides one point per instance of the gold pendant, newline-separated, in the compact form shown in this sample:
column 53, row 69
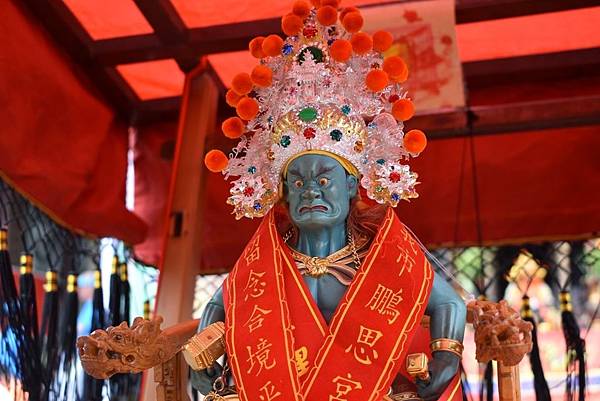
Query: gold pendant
column 317, row 266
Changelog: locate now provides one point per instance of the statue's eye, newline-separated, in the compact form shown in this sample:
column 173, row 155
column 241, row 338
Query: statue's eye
column 323, row 181
column 298, row 184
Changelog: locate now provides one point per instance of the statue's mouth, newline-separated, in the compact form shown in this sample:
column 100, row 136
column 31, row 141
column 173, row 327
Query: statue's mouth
column 315, row 208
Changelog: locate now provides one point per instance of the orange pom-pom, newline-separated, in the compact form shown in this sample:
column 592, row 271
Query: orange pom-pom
column 255, row 47
column 327, row 15
column 415, row 141
column 400, row 78
column 361, row 43
column 301, row 8
column 291, row 24
column 316, row 3
column 376, row 80
column 346, row 11
column 353, row 21
column 272, row 45
column 403, row 109
column 232, row 98
column 233, row 127
column 247, row 108
column 340, row 50
column 262, row 76
column 332, row 3
column 382, row 40
column 241, row 84
column 395, row 67
column 215, row 161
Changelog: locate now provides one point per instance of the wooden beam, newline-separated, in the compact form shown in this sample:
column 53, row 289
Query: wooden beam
column 170, row 29
column 180, row 255
column 533, row 68
column 483, row 10
column 507, row 118
column 71, row 37
column 235, row 36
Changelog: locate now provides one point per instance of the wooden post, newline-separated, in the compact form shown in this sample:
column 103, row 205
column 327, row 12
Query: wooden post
column 509, row 383
column 180, row 255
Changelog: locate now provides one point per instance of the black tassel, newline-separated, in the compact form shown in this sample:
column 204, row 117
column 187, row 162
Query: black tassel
column 49, row 337
column 68, row 352
column 92, row 388
column 542, row 392
column 114, row 303
column 10, row 317
column 28, row 302
column 27, row 296
column 575, row 350
column 486, row 387
column 125, row 293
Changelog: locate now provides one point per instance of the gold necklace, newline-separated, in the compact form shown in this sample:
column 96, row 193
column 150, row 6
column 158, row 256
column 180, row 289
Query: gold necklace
column 342, row 264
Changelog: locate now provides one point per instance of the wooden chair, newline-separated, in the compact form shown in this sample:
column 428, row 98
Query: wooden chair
column 500, row 335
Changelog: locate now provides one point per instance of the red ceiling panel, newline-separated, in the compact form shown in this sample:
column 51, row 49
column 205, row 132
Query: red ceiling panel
column 216, row 12
column 109, row 18
column 533, row 34
column 154, row 79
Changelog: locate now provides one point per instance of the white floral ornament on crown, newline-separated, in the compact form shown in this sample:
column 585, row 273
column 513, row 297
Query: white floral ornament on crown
column 322, row 90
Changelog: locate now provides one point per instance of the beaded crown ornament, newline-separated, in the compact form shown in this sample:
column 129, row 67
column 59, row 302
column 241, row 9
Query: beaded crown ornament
column 327, row 89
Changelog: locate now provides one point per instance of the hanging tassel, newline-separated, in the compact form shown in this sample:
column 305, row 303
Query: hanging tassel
column 27, row 296
column 575, row 349
column 10, row 317
column 49, row 337
column 125, row 293
column 68, row 328
column 542, row 392
column 114, row 303
column 31, row 355
column 147, row 309
column 92, row 388
column 486, row 389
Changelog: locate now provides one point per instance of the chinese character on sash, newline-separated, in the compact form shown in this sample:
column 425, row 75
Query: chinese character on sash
column 268, row 392
column 255, row 286
column 256, row 318
column 344, row 385
column 384, row 301
column 411, row 241
column 252, row 254
column 407, row 262
column 260, row 357
column 301, row 356
column 363, row 349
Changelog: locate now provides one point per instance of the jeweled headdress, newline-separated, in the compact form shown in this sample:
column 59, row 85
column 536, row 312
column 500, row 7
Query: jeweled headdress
column 327, row 89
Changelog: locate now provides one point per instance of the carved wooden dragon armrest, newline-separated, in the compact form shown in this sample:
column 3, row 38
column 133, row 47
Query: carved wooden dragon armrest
column 124, row 349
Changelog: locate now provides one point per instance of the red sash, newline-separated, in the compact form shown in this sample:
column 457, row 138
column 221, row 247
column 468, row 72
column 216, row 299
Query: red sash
column 280, row 347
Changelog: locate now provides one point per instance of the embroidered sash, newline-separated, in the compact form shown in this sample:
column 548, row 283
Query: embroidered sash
column 280, row 347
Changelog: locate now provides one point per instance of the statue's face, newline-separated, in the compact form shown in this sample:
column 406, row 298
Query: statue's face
column 318, row 191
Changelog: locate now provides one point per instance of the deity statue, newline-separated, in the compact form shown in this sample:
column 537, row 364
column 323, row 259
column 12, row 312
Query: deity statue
column 326, row 301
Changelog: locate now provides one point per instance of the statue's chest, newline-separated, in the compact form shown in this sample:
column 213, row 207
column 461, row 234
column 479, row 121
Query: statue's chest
column 327, row 292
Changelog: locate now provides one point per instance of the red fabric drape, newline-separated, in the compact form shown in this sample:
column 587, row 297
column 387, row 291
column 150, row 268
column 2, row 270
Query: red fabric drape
column 154, row 147
column 531, row 185
column 60, row 145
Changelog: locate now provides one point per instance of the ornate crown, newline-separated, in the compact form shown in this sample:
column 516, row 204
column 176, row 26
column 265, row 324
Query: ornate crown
column 327, row 89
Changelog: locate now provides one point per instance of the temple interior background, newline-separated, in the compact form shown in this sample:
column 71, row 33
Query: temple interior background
column 108, row 108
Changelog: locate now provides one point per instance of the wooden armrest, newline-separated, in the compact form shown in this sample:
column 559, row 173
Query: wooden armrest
column 125, row 349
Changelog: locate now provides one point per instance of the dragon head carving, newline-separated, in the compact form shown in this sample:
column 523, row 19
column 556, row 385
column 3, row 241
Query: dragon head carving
column 124, row 349
column 500, row 333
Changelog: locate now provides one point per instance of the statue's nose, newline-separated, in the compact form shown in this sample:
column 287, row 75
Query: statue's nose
column 311, row 193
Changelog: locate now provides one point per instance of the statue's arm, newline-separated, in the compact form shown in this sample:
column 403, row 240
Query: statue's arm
column 202, row 380
column 448, row 315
